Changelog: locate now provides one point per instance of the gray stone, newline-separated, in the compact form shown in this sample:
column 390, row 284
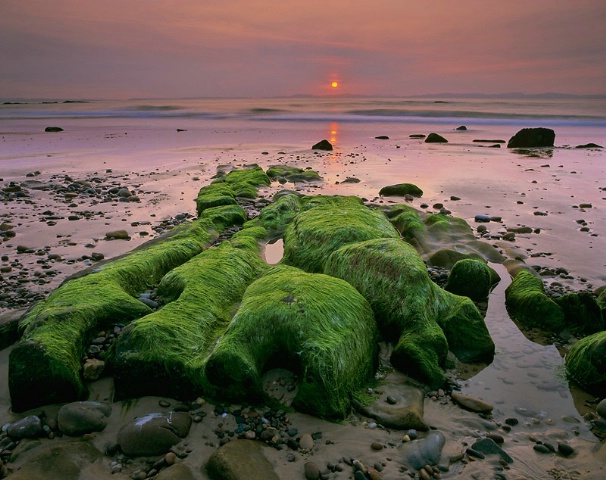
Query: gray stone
column 306, row 442
column 117, row 235
column 471, row 403
column 153, row 434
column 601, row 409
column 426, row 451
column 92, row 369
column 312, row 472
column 28, row 427
column 78, row 418
column 179, row 471
column 241, row 460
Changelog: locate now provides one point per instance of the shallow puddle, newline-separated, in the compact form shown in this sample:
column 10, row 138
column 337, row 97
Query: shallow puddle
column 274, row 251
column 526, row 379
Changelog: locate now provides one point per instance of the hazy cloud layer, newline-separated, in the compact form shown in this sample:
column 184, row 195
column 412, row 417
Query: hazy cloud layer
column 141, row 48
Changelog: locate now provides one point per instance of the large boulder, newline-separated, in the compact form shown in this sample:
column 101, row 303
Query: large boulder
column 581, row 312
column 315, row 325
column 241, row 460
column 527, row 303
column 532, row 137
column 153, row 434
column 586, row 363
column 401, row 190
column 78, row 418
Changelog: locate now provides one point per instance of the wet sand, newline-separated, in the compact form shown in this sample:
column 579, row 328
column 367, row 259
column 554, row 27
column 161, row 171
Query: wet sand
column 164, row 168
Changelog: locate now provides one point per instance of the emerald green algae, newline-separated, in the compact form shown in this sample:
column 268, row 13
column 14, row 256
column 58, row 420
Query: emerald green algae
column 316, row 325
column 471, row 278
column 285, row 173
column 163, row 353
column 586, row 363
column 44, row 367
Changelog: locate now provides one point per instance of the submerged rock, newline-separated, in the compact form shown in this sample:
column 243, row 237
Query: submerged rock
column 78, row 418
column 426, row 451
column 532, row 137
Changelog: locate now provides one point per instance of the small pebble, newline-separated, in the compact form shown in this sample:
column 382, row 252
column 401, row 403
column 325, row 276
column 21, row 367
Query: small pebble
column 376, row 446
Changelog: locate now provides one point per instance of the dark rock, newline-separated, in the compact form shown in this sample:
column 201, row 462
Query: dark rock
column 28, row 427
column 482, row 218
column 488, row 446
column 589, row 145
column 581, row 312
column 53, row 129
column 435, row 138
column 322, row 145
column 241, row 460
column 312, row 472
column 426, row 451
column 401, row 190
column 532, row 137
column 117, row 235
column 78, row 418
column 586, row 363
column 488, row 141
column 417, row 135
column 382, row 137
column 462, row 128
column 153, row 434
column 565, row 449
column 541, row 448
column 472, row 403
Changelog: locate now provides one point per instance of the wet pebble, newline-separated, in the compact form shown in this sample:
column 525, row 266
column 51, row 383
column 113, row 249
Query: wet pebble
column 565, row 449
column 312, row 472
column 376, row 446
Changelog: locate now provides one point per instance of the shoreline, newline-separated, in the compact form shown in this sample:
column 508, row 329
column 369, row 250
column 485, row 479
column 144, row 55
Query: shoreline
column 167, row 189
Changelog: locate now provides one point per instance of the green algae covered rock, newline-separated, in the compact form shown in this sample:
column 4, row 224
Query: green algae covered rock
column 471, row 278
column 276, row 216
column 44, row 367
column 163, row 353
column 285, row 173
column 527, row 303
column 581, row 312
column 225, row 189
column 422, row 319
column 401, row 190
column 586, row 363
column 407, row 222
column 328, row 223
column 318, row 326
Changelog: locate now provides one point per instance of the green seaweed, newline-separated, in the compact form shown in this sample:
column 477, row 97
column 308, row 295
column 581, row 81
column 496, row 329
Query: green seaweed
column 582, row 312
column 45, row 366
column 285, row 173
column 328, row 223
column 401, row 190
column 586, row 363
column 318, row 326
column 224, row 190
column 164, row 353
column 527, row 303
column 471, row 278
column 276, row 216
column 411, row 310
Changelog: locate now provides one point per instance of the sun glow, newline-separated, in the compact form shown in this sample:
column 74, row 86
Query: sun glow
column 334, row 84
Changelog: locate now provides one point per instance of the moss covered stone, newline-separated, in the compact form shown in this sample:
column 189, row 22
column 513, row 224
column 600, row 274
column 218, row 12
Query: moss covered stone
column 582, row 312
column 422, row 320
column 226, row 188
column 586, row 363
column 527, row 303
column 285, row 173
column 163, row 353
column 276, row 216
column 328, row 223
column 316, row 325
column 401, row 190
column 44, row 367
column 471, row 278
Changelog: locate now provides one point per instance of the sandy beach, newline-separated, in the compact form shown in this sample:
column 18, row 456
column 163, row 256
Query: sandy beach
column 99, row 176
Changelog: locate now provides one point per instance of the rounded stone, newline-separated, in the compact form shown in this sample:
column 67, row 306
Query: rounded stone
column 306, row 442
column 153, row 434
column 312, row 472
column 78, row 418
column 565, row 449
column 601, row 408
column 27, row 427
column 376, row 446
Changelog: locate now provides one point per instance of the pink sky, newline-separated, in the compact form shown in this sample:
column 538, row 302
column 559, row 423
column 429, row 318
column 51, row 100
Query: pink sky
column 179, row 48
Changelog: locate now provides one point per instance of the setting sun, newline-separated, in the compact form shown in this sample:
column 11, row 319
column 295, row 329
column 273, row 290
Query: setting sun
column 334, row 84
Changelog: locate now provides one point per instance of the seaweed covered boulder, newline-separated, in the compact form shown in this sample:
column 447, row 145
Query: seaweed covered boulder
column 422, row 320
column 164, row 353
column 401, row 190
column 224, row 190
column 532, row 138
column 471, row 278
column 586, row 363
column 527, row 303
column 582, row 312
column 44, row 367
column 286, row 173
column 315, row 325
column 328, row 223
column 276, row 216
